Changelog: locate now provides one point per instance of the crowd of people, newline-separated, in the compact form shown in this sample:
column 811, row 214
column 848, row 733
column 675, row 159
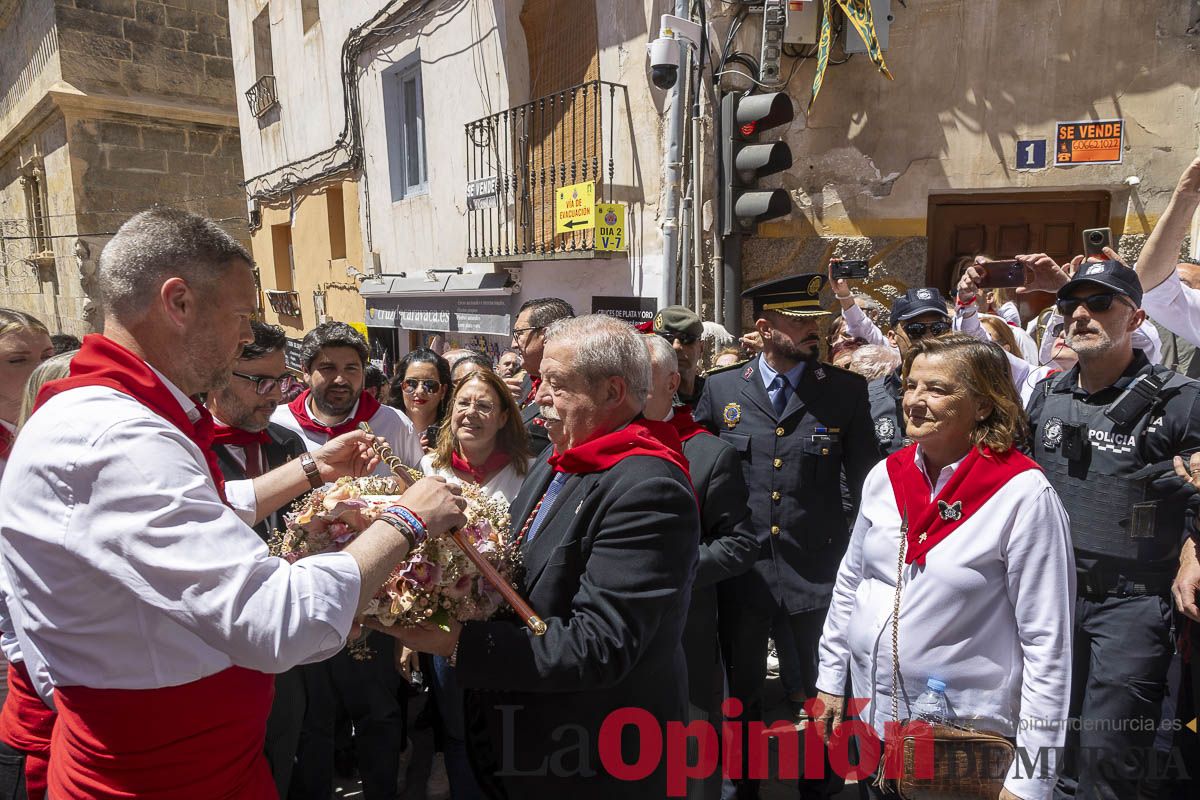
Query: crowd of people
column 974, row 496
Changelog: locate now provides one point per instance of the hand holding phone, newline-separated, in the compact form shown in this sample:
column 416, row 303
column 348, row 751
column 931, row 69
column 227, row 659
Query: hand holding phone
column 1002, row 274
column 855, row 269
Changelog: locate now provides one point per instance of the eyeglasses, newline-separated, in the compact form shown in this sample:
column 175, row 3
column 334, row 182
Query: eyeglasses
column 916, row 330
column 518, row 331
column 410, row 385
column 682, row 338
column 264, row 384
column 1095, row 303
column 482, row 408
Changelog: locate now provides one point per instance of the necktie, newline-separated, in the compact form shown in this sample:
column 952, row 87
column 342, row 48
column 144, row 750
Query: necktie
column 780, row 387
column 544, row 505
column 253, row 460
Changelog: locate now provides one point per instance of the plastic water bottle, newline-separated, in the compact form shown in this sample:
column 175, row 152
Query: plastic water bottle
column 931, row 705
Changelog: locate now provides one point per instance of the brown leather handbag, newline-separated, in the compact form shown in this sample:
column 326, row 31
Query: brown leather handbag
column 968, row 764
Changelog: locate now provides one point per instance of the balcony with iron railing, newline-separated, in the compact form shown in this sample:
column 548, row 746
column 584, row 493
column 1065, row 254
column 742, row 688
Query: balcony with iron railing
column 262, row 96
column 284, row 303
column 519, row 158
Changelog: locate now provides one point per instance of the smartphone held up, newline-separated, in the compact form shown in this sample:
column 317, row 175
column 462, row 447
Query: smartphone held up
column 856, row 269
column 1005, row 273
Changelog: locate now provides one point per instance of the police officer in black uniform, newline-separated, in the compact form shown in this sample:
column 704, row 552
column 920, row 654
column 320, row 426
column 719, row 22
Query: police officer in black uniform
column 529, row 339
column 916, row 313
column 683, row 328
column 1105, row 433
column 796, row 424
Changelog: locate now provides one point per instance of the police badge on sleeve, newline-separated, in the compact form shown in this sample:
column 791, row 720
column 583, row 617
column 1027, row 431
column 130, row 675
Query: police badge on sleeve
column 885, row 429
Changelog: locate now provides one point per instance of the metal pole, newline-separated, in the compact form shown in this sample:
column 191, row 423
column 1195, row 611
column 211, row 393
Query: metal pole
column 732, row 267
column 697, row 194
column 671, row 170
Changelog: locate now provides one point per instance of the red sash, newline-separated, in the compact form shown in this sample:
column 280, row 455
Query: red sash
column 26, row 724
column 684, row 424
column 102, row 362
column 367, row 406
column 981, row 474
column 497, row 461
column 642, row 437
column 6, row 442
column 199, row 741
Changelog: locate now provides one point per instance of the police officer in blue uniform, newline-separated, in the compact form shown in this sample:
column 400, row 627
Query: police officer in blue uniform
column 915, row 314
column 1105, row 433
column 796, row 424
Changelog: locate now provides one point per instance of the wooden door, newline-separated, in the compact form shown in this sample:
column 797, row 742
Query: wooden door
column 1005, row 225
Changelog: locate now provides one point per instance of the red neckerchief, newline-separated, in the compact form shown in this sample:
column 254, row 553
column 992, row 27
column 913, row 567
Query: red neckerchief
column 642, row 437
column 497, row 461
column 534, row 383
column 102, row 362
column 6, row 442
column 683, row 423
column 981, row 474
column 367, row 406
column 223, row 434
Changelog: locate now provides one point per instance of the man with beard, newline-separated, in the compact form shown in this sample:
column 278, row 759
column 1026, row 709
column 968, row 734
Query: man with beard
column 248, row 444
column 797, row 424
column 1106, row 432
column 335, row 357
column 335, row 360
column 145, row 605
column 529, row 339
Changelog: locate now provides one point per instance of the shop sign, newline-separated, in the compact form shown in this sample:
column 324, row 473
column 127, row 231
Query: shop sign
column 634, row 310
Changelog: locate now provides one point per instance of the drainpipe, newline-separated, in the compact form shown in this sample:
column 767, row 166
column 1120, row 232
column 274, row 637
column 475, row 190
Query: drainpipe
column 672, row 166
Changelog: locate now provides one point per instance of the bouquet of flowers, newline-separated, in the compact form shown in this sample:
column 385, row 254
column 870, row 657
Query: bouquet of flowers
column 438, row 582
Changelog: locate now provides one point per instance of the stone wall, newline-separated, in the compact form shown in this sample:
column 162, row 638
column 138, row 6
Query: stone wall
column 175, row 49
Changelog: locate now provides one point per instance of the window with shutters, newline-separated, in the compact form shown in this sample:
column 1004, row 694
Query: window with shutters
column 404, row 116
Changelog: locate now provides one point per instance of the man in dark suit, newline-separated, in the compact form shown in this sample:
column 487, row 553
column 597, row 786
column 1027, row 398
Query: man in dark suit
column 609, row 531
column 728, row 546
column 247, row 445
column 797, row 424
column 529, row 339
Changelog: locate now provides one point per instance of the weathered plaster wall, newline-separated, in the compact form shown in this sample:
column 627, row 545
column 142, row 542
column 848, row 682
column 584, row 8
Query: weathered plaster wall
column 972, row 78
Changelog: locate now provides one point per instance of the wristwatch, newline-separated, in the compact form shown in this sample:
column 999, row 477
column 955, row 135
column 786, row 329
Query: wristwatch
column 309, row 465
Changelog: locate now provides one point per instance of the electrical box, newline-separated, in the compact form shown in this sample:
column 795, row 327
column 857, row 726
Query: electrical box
column 803, row 22
column 881, row 10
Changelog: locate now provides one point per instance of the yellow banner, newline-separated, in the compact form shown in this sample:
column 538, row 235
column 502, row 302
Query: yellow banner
column 858, row 12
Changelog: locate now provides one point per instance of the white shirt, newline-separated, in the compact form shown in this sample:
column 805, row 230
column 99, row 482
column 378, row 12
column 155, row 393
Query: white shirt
column 1176, row 307
column 127, row 570
column 860, row 326
column 990, row 613
column 387, row 422
column 504, row 485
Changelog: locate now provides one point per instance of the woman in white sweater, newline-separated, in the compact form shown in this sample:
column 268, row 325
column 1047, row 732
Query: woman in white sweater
column 987, row 581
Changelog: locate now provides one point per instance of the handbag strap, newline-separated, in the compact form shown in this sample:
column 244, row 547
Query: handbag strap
column 880, row 780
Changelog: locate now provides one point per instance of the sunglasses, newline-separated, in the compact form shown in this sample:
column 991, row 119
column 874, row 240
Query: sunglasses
column 916, row 330
column 1095, row 303
column 518, row 331
column 682, row 338
column 264, row 384
column 410, row 385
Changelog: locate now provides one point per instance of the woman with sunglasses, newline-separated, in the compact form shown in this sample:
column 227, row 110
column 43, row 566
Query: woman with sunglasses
column 484, row 442
column 421, row 391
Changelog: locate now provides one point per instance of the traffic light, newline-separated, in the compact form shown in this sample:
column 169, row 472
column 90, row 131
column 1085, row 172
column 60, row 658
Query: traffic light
column 743, row 118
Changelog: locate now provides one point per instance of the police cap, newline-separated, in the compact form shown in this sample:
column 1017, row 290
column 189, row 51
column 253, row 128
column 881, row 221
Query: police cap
column 1110, row 274
column 794, row 296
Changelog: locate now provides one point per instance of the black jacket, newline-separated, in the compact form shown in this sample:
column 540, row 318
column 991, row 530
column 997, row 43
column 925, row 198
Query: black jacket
column 283, row 447
column 610, row 571
column 793, row 464
column 728, row 548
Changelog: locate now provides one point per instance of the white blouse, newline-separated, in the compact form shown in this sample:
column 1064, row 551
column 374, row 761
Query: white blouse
column 127, row 571
column 990, row 613
column 504, row 485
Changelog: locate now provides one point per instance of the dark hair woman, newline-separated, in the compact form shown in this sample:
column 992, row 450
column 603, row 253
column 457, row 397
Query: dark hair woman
column 421, row 390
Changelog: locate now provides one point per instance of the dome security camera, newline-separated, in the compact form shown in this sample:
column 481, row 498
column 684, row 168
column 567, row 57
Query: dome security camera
column 664, row 61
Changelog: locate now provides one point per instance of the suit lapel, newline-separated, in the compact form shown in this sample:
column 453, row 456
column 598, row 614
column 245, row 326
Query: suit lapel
column 795, row 402
column 754, row 391
column 230, row 468
column 538, row 479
